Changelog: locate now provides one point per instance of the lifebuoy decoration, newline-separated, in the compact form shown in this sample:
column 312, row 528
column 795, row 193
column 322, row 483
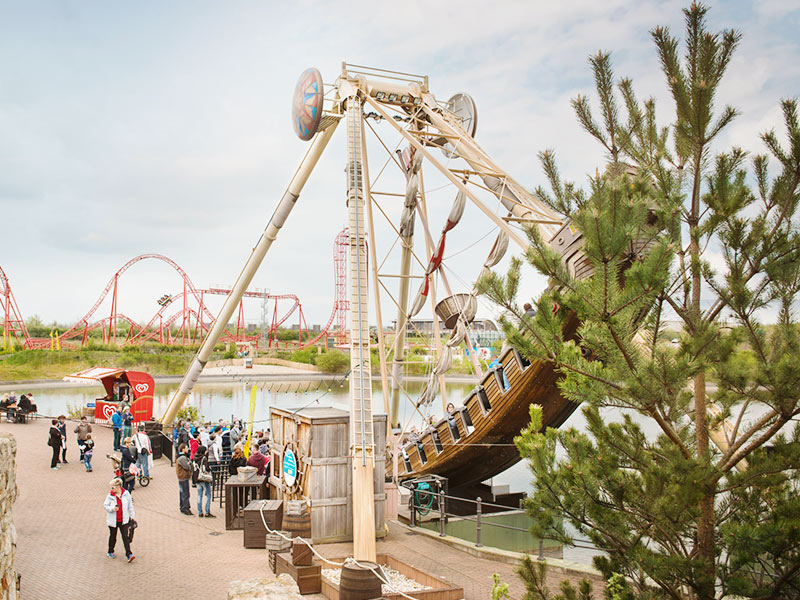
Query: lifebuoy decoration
column 290, row 484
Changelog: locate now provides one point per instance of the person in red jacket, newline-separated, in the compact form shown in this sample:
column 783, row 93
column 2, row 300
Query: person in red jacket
column 259, row 461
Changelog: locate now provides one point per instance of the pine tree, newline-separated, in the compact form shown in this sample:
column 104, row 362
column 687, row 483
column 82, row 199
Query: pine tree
column 693, row 518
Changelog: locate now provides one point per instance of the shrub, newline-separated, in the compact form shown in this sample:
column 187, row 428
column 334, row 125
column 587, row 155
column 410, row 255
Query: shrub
column 306, row 355
column 333, row 361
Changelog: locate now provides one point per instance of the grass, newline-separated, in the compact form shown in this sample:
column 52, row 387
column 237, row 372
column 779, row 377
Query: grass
column 43, row 364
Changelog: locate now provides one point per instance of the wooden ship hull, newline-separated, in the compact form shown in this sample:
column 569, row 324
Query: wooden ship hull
column 476, row 442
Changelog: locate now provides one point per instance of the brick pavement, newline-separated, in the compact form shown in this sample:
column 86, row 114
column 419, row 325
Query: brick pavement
column 62, row 536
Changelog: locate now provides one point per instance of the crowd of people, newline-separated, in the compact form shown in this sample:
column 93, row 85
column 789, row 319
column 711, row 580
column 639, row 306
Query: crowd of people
column 204, row 450
column 208, row 453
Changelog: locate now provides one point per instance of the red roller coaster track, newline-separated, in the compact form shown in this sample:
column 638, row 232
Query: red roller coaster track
column 194, row 317
column 13, row 325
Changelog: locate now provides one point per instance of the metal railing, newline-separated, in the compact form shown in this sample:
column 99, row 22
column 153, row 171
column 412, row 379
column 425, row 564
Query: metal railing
column 479, row 519
column 221, row 475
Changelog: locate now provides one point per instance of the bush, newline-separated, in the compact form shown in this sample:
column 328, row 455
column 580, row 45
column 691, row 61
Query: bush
column 333, row 361
column 306, row 355
column 189, row 413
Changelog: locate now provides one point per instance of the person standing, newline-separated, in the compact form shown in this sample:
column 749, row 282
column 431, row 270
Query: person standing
column 201, row 475
column 184, row 435
column 87, row 449
column 175, row 433
column 236, row 432
column 119, row 514
column 127, row 423
column 214, row 455
column 62, row 427
column 205, row 436
column 82, row 430
column 237, row 460
column 183, row 469
column 529, row 310
column 144, row 451
column 194, row 443
column 116, row 425
column 225, row 445
column 257, row 460
column 128, row 459
column 54, row 441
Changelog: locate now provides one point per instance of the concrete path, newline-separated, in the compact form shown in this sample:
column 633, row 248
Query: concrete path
column 62, row 535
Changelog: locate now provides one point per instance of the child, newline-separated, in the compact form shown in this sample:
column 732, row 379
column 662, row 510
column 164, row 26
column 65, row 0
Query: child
column 87, row 447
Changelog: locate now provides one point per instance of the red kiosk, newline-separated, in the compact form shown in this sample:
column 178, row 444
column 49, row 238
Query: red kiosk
column 120, row 384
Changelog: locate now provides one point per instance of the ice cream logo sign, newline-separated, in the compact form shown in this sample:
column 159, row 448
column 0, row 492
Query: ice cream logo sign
column 108, row 411
column 141, row 388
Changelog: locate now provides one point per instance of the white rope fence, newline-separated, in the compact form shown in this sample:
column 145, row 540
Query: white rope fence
column 382, row 577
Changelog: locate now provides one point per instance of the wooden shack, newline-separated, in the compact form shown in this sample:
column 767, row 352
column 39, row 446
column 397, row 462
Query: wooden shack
column 318, row 437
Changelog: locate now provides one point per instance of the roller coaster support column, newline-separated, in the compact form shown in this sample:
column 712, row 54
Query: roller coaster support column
column 362, row 440
column 277, row 220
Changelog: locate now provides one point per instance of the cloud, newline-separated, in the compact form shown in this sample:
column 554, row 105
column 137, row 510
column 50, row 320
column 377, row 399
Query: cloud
column 164, row 128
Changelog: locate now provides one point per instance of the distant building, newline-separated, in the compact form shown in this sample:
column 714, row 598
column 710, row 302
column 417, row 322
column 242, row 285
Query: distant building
column 425, row 326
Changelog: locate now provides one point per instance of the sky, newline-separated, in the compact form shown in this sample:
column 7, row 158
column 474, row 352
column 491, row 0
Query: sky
column 164, row 128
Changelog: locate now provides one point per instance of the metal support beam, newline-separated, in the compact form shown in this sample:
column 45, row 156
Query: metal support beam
column 277, row 221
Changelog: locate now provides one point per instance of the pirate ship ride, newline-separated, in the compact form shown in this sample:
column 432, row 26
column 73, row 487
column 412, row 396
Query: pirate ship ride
column 397, row 114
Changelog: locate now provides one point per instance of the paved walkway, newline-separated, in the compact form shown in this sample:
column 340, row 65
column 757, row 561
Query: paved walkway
column 61, row 546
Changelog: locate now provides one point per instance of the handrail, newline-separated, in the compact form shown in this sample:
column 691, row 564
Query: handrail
column 480, row 522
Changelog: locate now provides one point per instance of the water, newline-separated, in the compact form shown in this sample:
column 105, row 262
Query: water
column 226, row 400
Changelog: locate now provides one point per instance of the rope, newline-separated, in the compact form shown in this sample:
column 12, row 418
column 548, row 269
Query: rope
column 289, row 539
column 384, row 580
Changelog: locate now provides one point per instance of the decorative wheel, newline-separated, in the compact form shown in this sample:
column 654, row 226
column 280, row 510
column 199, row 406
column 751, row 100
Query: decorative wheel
column 307, row 104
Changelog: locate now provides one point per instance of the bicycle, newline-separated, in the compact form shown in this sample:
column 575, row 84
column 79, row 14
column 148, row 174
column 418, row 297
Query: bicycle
column 143, row 480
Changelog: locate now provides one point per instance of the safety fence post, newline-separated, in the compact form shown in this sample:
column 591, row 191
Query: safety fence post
column 441, row 513
column 478, row 524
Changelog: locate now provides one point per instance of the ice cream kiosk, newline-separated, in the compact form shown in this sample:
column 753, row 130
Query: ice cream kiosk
column 134, row 387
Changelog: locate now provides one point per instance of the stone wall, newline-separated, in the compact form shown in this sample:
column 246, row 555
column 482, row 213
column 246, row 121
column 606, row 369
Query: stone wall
column 8, row 534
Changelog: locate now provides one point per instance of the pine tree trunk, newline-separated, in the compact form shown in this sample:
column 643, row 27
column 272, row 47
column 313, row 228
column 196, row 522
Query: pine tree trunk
column 705, row 524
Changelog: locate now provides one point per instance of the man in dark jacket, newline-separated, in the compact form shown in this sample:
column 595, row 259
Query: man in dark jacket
column 62, row 427
column 54, row 441
column 183, row 468
column 184, row 435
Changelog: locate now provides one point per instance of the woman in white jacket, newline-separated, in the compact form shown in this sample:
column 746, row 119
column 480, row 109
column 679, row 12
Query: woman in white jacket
column 119, row 514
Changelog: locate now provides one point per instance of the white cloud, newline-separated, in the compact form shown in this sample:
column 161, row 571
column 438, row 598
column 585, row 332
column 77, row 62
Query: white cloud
column 165, row 128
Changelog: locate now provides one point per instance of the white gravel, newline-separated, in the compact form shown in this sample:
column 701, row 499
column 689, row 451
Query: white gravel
column 397, row 581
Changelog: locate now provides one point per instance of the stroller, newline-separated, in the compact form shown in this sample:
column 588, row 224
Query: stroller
column 133, row 470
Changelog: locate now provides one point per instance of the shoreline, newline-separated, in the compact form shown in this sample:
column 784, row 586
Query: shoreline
column 238, row 374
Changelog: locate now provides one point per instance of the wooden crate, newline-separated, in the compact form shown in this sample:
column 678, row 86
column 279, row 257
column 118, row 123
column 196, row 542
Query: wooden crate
column 254, row 531
column 301, row 553
column 320, row 438
column 307, row 577
column 273, row 560
column 238, row 494
column 440, row 589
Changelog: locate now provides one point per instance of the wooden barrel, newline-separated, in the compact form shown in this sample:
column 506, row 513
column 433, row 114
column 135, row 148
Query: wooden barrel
column 276, row 542
column 359, row 582
column 298, row 525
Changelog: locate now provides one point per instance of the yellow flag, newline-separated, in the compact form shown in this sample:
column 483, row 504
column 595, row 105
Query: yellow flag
column 246, row 448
